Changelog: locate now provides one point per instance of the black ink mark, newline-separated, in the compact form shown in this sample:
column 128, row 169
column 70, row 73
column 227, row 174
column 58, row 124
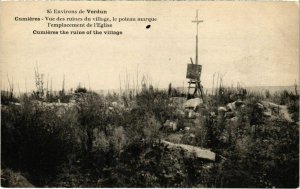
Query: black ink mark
column 148, row 26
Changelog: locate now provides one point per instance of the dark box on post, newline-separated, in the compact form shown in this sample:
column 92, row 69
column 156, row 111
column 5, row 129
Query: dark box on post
column 193, row 71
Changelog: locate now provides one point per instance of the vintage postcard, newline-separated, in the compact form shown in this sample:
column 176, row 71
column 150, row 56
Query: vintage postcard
column 149, row 94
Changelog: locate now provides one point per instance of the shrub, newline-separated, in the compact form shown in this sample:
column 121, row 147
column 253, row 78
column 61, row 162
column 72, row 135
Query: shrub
column 156, row 103
column 118, row 140
column 7, row 97
column 36, row 140
column 80, row 90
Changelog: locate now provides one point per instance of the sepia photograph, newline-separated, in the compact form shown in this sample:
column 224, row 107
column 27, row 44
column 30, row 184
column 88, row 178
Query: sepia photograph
column 149, row 94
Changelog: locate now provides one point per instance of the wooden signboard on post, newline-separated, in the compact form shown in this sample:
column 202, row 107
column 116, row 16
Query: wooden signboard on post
column 193, row 71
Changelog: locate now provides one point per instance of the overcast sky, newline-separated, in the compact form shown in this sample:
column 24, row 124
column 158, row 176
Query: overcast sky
column 255, row 44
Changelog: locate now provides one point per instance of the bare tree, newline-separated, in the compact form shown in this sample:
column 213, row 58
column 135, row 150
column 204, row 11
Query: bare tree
column 39, row 83
column 11, row 87
column 212, row 91
column 295, row 85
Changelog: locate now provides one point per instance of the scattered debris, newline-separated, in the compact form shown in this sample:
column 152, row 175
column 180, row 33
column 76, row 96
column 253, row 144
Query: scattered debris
column 212, row 114
column 192, row 150
column 230, row 106
column 259, row 106
column 282, row 110
column 187, row 128
column 267, row 113
column 234, row 105
column 114, row 104
column 193, row 103
column 170, row 125
column 221, row 110
column 15, row 104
